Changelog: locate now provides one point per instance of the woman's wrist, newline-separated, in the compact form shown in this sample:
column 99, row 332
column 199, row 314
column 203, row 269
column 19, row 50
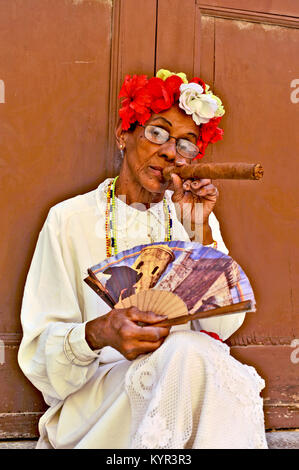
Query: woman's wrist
column 76, row 348
column 207, row 235
column 203, row 234
column 95, row 333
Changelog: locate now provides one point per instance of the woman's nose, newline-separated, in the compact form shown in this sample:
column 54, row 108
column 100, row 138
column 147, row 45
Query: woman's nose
column 168, row 150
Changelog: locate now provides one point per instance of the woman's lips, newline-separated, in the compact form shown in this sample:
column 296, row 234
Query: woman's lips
column 157, row 170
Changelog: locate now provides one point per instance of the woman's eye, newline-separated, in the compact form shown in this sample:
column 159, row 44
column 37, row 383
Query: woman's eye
column 187, row 148
column 185, row 145
column 157, row 134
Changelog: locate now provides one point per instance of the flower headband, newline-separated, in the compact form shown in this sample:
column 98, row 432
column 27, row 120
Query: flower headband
column 143, row 96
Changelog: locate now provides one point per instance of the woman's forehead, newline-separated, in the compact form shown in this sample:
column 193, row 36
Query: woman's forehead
column 175, row 118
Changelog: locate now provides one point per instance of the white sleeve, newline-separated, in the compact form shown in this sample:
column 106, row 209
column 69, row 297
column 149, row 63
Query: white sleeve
column 53, row 354
column 224, row 325
column 216, row 234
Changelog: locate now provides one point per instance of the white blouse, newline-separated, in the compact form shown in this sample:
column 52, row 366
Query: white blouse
column 57, row 303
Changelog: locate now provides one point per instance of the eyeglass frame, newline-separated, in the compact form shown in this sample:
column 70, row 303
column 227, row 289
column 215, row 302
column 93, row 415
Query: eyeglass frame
column 170, row 136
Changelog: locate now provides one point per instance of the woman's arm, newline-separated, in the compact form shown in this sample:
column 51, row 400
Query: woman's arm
column 53, row 354
column 60, row 352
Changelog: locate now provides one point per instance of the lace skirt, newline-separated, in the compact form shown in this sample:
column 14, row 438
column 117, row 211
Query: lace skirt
column 190, row 393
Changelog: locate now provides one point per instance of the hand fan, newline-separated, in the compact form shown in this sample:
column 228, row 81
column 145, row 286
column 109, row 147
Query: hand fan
column 183, row 280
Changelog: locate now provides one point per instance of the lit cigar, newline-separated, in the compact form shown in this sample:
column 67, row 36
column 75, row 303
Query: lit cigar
column 216, row 171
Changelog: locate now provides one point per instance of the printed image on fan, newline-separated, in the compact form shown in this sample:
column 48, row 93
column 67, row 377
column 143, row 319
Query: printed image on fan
column 203, row 278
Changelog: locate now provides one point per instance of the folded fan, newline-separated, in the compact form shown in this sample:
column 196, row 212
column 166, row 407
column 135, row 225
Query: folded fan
column 177, row 279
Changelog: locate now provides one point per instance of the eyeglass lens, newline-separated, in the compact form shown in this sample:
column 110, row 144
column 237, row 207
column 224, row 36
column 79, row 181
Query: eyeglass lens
column 158, row 135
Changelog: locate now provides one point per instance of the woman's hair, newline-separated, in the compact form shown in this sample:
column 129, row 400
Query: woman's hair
column 133, row 126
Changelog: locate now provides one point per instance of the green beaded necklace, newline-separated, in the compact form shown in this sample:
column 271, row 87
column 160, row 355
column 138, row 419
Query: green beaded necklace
column 110, row 225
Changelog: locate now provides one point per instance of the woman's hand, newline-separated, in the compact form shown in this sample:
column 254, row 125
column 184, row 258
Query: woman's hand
column 119, row 329
column 193, row 192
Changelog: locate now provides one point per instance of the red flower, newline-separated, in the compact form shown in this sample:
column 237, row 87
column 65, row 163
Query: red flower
column 202, row 147
column 137, row 100
column 173, row 84
column 209, row 133
column 200, row 82
column 127, row 116
column 162, row 97
column 132, row 85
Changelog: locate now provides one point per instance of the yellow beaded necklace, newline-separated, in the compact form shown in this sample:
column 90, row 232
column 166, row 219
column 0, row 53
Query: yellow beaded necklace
column 110, row 226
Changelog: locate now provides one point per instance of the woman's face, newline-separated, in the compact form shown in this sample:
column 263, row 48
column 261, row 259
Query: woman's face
column 145, row 160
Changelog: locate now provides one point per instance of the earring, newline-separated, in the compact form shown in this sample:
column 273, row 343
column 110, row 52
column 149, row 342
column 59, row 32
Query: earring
column 122, row 151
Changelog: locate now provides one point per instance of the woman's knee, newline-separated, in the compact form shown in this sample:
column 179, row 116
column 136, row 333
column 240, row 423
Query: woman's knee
column 184, row 343
column 184, row 339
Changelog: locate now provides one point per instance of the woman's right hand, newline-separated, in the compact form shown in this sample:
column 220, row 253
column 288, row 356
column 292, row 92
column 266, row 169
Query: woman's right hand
column 119, row 329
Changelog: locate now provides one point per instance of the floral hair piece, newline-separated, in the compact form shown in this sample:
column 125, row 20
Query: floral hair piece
column 142, row 96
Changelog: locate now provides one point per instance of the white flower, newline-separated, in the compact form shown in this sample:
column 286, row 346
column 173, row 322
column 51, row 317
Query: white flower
column 220, row 110
column 193, row 86
column 203, row 107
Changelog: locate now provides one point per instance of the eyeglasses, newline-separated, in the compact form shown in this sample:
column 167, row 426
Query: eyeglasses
column 158, row 135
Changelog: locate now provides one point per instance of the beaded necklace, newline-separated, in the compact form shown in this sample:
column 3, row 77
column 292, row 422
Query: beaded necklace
column 110, row 225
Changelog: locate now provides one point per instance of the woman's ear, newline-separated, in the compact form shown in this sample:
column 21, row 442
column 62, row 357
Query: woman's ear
column 120, row 135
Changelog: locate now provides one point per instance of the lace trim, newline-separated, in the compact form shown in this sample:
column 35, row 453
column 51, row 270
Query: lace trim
column 187, row 380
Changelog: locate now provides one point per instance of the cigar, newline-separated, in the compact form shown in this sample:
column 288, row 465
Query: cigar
column 216, row 171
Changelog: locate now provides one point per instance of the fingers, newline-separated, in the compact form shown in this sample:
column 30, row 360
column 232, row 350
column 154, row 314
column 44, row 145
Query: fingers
column 150, row 333
column 202, row 188
column 187, row 185
column 197, row 184
column 177, row 182
column 130, row 339
column 135, row 340
column 209, row 190
column 146, row 333
column 137, row 315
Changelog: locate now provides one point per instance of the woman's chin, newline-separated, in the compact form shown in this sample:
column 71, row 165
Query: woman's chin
column 154, row 182
column 154, row 185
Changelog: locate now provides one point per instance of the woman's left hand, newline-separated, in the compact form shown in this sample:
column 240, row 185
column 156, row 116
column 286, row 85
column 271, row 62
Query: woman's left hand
column 192, row 192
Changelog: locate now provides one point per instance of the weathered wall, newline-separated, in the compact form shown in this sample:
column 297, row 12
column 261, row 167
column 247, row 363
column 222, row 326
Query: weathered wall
column 55, row 65
column 250, row 58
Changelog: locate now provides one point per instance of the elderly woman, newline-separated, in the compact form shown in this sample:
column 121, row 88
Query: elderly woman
column 109, row 382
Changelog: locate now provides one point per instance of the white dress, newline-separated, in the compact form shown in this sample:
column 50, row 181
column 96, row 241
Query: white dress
column 190, row 393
